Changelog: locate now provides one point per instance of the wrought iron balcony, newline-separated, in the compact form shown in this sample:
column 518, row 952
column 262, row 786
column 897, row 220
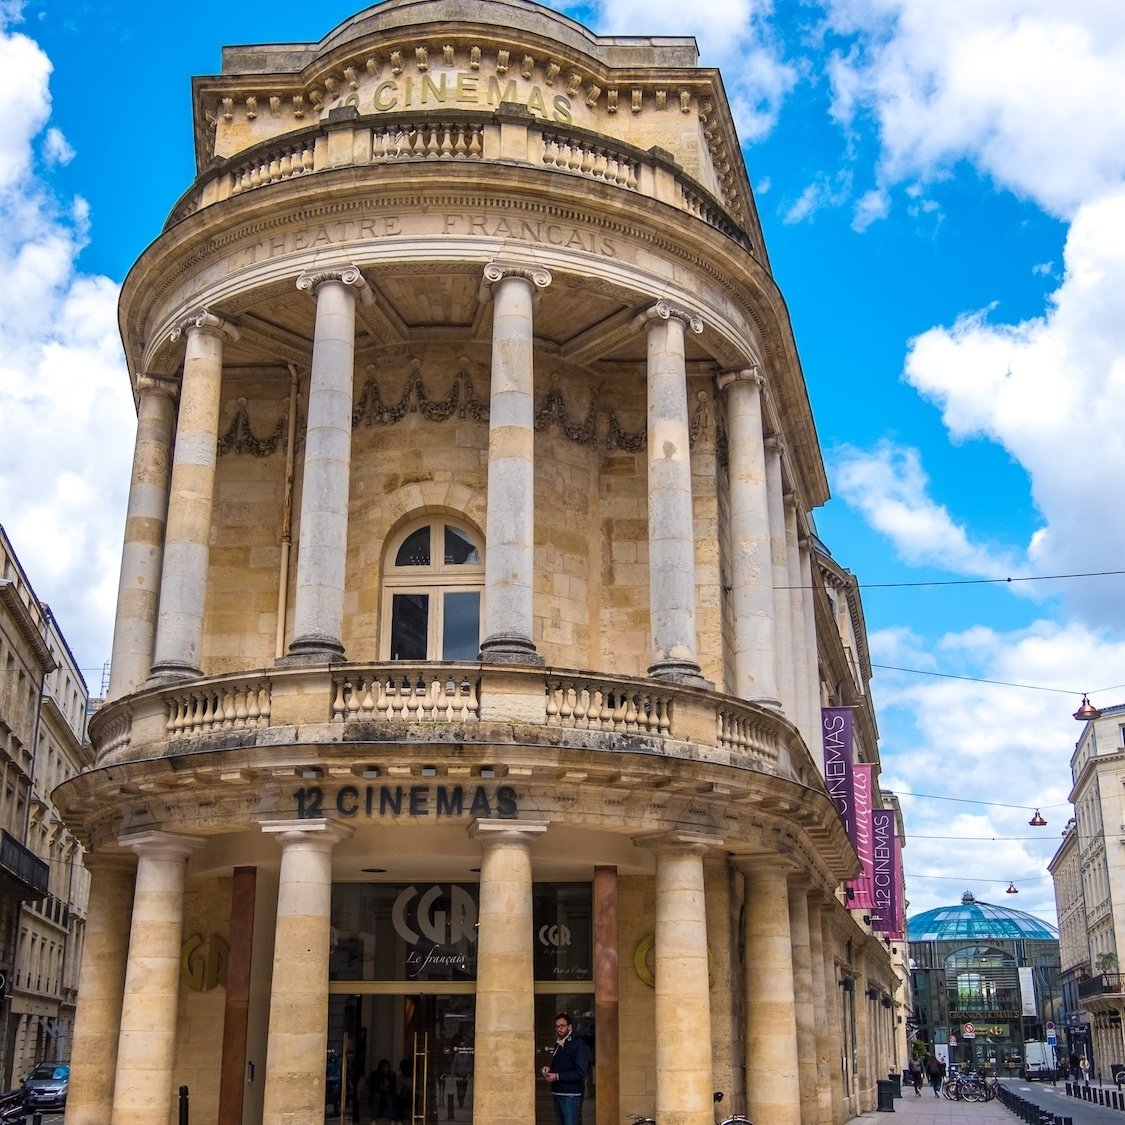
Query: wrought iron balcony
column 1104, row 984
column 23, row 866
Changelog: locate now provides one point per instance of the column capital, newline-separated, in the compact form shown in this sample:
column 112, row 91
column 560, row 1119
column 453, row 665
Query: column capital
column 351, row 276
column 146, row 384
column 665, row 310
column 321, row 831
column 507, row 831
column 161, row 845
column 204, row 321
column 768, row 864
column 753, row 375
column 679, row 843
column 775, row 443
column 537, row 276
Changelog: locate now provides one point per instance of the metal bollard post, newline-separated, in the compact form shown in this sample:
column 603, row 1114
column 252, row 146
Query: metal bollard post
column 183, row 1105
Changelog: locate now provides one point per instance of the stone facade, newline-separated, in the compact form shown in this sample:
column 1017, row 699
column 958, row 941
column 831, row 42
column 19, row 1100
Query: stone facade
column 473, row 632
column 43, row 882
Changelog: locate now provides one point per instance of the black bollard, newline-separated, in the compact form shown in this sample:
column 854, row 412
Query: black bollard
column 183, row 1105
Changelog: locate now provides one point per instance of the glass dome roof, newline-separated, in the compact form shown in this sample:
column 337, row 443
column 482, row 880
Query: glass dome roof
column 973, row 920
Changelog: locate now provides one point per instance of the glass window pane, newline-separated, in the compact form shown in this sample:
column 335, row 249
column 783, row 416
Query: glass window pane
column 459, row 548
column 461, row 633
column 410, row 620
column 415, row 549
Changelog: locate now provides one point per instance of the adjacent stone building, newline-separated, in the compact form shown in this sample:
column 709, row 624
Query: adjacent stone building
column 472, row 634
column 43, row 883
column 1089, row 876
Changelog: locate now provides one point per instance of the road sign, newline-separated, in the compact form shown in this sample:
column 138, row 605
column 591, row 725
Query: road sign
column 1052, row 1039
column 1050, row 1027
column 968, row 1031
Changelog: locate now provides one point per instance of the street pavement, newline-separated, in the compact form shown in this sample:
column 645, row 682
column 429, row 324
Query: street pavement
column 928, row 1110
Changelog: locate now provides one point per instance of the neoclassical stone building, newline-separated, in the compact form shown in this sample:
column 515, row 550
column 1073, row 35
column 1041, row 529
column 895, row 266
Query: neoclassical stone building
column 472, row 632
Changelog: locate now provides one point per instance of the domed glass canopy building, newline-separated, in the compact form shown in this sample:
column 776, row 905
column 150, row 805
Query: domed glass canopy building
column 986, row 981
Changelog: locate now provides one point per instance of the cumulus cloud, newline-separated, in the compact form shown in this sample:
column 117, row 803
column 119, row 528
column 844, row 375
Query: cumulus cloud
column 1004, row 745
column 1031, row 92
column 68, row 421
column 733, row 34
column 891, row 489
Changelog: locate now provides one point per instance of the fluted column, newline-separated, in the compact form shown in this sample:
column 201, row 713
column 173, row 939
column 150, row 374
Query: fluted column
column 671, row 542
column 798, row 636
column 318, row 611
column 101, row 986
column 503, row 1074
column 779, row 568
column 298, row 1024
column 771, row 1019
column 822, row 1016
column 183, row 582
column 683, row 1005
column 146, row 1049
column 751, row 575
column 812, row 654
column 510, row 520
column 142, row 556
column 801, row 945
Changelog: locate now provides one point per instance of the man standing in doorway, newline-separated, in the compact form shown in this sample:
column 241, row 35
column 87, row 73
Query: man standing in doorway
column 567, row 1072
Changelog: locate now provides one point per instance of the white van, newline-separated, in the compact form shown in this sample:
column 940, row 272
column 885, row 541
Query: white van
column 1039, row 1061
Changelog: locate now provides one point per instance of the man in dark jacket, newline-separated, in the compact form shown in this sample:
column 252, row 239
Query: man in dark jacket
column 567, row 1072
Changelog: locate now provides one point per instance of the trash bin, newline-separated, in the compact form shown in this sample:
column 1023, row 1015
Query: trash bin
column 886, row 1090
column 1117, row 1070
column 896, row 1081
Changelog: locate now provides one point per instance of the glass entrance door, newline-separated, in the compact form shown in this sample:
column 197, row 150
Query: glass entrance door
column 400, row 1058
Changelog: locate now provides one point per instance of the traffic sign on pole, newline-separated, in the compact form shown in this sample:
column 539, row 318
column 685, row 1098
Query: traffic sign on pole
column 968, row 1031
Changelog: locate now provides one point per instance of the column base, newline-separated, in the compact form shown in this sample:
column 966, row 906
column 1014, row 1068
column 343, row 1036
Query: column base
column 509, row 648
column 170, row 672
column 312, row 648
column 685, row 672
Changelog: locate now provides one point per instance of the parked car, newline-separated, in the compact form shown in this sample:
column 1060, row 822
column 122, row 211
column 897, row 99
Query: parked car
column 45, row 1087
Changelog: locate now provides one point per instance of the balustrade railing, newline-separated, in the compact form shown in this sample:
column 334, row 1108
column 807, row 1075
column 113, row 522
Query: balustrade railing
column 281, row 163
column 599, row 161
column 204, row 708
column 584, row 704
column 428, row 140
column 415, row 694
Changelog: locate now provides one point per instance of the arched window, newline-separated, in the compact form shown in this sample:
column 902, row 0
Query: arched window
column 432, row 591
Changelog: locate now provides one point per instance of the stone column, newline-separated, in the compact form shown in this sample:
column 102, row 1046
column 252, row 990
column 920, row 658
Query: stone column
column 779, row 567
column 803, row 997
column 298, row 1025
column 318, row 612
column 146, row 1049
column 726, row 1058
column 606, row 1000
column 772, row 1076
column 671, row 542
column 798, row 638
column 138, row 589
column 751, row 575
column 812, row 654
column 503, row 1071
column 823, row 1015
column 683, row 1005
column 101, row 985
column 839, row 1041
column 183, row 582
column 236, row 1011
column 510, row 520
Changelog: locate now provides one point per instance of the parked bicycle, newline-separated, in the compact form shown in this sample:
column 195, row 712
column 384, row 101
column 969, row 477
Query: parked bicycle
column 734, row 1119
column 969, row 1087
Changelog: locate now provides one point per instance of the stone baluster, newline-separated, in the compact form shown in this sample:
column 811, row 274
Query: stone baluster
column 183, row 582
column 510, row 520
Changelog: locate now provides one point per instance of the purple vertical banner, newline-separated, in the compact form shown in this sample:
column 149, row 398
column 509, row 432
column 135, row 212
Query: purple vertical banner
column 899, row 932
column 884, row 910
column 836, row 733
column 861, row 788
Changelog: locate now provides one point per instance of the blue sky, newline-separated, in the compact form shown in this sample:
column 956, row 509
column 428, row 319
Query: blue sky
column 940, row 184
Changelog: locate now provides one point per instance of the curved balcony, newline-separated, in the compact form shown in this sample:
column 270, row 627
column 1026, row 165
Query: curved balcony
column 438, row 703
column 509, row 134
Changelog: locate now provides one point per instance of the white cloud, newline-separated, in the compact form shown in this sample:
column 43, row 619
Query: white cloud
column 1030, row 91
column 1051, row 391
column 68, row 419
column 891, row 489
column 1007, row 746
column 732, row 34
